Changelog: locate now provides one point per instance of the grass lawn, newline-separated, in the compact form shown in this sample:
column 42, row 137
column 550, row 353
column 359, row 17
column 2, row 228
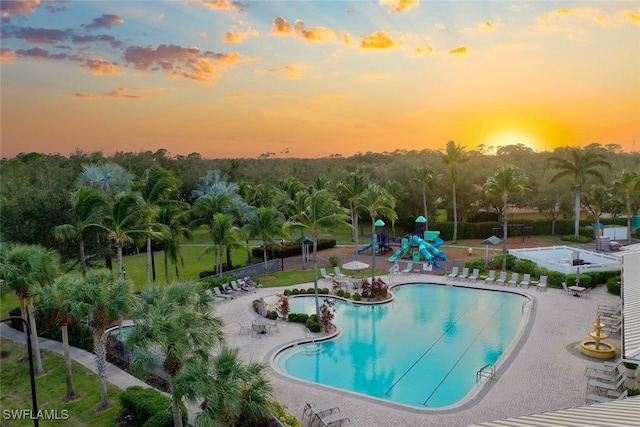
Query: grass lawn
column 50, row 390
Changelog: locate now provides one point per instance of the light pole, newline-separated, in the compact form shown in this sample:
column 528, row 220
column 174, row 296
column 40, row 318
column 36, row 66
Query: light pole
column 378, row 223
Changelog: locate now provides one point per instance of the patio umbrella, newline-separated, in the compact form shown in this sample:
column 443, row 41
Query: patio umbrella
column 262, row 308
column 493, row 240
column 355, row 265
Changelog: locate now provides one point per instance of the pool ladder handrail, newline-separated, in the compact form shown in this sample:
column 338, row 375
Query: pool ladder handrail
column 487, row 371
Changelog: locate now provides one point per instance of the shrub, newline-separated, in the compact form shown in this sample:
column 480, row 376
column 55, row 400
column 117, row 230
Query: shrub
column 346, row 295
column 284, row 306
column 313, row 326
column 474, row 263
column 334, row 260
column 357, row 297
column 580, row 239
column 311, row 291
column 324, row 291
column 149, row 407
column 298, row 317
column 327, row 313
column 613, row 285
column 280, row 412
column 272, row 315
column 340, row 293
column 287, row 292
column 585, row 280
column 525, row 266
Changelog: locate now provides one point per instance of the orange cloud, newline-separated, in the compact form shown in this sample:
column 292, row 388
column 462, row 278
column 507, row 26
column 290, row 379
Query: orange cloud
column 23, row 7
column 100, row 67
column 377, row 40
column 7, row 55
column 223, row 5
column 292, row 72
column 461, row 50
column 105, row 21
column 315, row 33
column 231, row 37
column 487, row 25
column 280, row 26
column 86, row 95
column 399, row 5
column 633, row 17
column 122, row 92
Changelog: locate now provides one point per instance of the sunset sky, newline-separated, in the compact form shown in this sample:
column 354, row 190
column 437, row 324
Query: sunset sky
column 316, row 78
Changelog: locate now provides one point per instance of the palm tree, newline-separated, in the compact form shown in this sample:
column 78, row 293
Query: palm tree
column 125, row 222
column 377, row 202
column 235, row 393
column 266, row 223
column 58, row 299
column 597, row 199
column 103, row 300
column 629, row 185
column 88, row 208
column 455, row 156
column 157, row 187
column 109, row 178
column 321, row 211
column 581, row 165
column 352, row 187
column 224, row 235
column 22, row 269
column 398, row 191
column 505, row 183
column 178, row 322
column 426, row 177
column 175, row 219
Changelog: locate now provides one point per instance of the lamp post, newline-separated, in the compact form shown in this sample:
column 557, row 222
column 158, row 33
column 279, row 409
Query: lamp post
column 374, row 248
column 32, row 375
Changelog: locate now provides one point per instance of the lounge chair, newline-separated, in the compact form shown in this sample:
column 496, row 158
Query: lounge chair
column 237, row 288
column 325, row 275
column 219, row 293
column 464, row 274
column 474, row 275
column 336, row 419
column 453, row 274
column 273, row 326
column 565, row 288
column 502, row 278
column 607, row 385
column 312, row 410
column 338, row 272
column 542, row 284
column 526, row 280
column 407, row 270
column 394, row 270
column 515, row 277
column 491, row 278
column 605, row 309
column 613, row 395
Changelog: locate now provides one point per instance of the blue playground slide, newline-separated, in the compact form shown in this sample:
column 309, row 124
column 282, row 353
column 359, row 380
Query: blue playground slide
column 428, row 251
column 365, row 248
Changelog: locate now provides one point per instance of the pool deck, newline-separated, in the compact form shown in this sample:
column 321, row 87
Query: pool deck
column 544, row 372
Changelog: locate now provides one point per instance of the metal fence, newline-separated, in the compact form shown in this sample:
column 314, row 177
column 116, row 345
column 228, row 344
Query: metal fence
column 254, row 269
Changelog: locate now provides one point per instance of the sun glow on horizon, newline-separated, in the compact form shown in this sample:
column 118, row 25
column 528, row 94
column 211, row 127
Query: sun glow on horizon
column 512, row 137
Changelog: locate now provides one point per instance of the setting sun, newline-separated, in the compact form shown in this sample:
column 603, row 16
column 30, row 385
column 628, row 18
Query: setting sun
column 512, row 137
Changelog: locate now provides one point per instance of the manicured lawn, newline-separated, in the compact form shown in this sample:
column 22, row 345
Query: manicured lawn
column 51, row 390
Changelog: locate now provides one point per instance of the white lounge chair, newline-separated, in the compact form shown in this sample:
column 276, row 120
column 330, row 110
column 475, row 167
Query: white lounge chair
column 515, row 277
column 542, row 284
column 502, row 278
column 312, row 410
column 526, row 280
column 565, row 288
column 464, row 274
column 474, row 275
column 338, row 272
column 325, row 275
column 453, row 274
column 491, row 278
column 335, row 419
column 219, row 294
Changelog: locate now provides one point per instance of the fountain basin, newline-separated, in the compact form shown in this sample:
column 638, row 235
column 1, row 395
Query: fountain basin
column 604, row 350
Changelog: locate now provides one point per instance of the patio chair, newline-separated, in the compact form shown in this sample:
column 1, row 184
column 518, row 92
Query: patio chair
column 236, row 287
column 273, row 326
column 515, row 277
column 502, row 278
column 542, row 284
column 394, row 270
column 228, row 289
column 565, row 288
column 323, row 273
column 453, row 274
column 491, row 278
column 336, row 419
column 338, row 272
column 474, row 275
column 407, row 270
column 605, row 309
column 219, row 294
column 526, row 280
column 312, row 410
column 464, row 274
column 613, row 395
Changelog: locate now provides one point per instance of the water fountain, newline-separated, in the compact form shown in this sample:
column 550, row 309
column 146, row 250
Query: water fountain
column 596, row 347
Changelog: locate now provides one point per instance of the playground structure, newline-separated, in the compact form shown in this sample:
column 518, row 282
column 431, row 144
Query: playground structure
column 419, row 248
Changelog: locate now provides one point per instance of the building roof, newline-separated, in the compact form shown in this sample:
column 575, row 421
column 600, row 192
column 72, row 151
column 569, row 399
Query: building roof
column 631, row 305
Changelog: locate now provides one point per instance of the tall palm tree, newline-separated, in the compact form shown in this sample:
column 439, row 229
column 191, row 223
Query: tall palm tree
column 398, row 191
column 629, row 185
column 22, row 269
column 454, row 157
column 322, row 211
column 426, row 177
column 580, row 165
column 377, row 202
column 58, row 299
column 178, row 321
column 103, row 300
column 351, row 188
column 157, row 187
column 224, row 235
column 109, row 178
column 88, row 209
column 235, row 393
column 505, row 183
column 175, row 219
column 266, row 223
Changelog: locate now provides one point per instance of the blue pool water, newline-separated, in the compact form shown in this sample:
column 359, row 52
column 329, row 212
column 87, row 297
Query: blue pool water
column 423, row 349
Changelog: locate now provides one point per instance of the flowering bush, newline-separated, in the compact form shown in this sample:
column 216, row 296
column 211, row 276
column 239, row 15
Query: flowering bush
column 376, row 289
column 327, row 313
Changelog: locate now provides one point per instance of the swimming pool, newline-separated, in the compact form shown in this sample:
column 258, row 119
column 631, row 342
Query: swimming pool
column 423, row 349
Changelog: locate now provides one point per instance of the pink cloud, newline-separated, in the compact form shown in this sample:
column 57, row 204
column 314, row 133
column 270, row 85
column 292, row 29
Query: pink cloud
column 100, row 67
column 18, row 7
column 105, row 21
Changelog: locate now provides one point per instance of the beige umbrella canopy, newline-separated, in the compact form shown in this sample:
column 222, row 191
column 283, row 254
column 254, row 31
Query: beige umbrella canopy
column 355, row 265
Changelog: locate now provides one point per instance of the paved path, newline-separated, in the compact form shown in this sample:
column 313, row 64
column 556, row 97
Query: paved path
column 544, row 372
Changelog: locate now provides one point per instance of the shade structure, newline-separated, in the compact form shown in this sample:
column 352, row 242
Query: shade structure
column 493, row 240
column 355, row 265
